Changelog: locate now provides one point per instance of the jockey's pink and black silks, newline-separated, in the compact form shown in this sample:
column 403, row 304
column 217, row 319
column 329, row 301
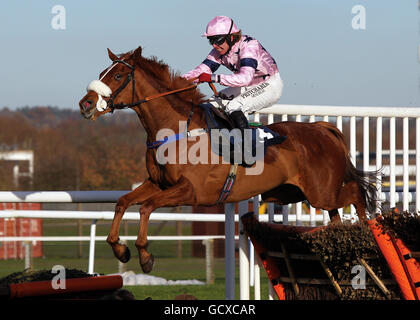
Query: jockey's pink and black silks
column 250, row 62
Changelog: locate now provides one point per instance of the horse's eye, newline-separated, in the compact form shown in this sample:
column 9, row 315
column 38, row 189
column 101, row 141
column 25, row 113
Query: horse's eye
column 117, row 77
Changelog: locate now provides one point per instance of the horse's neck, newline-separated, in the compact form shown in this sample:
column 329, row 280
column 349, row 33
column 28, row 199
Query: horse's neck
column 161, row 114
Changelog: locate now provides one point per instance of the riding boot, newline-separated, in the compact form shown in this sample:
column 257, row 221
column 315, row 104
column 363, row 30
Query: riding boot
column 241, row 122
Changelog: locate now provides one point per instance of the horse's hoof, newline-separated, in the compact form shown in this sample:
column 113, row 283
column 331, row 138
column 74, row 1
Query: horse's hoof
column 148, row 265
column 125, row 256
column 121, row 251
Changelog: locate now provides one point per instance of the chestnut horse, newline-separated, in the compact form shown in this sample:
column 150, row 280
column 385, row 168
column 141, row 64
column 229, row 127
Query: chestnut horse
column 311, row 164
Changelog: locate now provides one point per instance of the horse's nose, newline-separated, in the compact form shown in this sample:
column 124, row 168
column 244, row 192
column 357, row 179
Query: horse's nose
column 85, row 104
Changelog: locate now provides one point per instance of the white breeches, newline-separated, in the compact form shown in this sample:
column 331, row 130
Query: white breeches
column 250, row 99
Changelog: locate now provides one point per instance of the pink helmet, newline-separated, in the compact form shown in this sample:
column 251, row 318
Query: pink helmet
column 220, row 25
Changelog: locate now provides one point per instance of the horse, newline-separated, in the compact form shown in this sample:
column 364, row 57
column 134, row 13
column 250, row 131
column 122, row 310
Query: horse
column 312, row 164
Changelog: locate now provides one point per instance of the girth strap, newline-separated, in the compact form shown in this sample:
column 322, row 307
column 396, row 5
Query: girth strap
column 230, row 180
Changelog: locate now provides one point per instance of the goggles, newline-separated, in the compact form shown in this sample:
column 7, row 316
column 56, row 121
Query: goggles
column 217, row 40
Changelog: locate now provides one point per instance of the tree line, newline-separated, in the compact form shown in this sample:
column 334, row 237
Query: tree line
column 72, row 153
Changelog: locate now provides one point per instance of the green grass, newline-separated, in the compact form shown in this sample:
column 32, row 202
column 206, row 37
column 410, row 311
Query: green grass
column 168, row 268
column 167, row 264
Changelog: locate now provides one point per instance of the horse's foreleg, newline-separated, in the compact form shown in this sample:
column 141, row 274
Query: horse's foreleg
column 136, row 196
column 179, row 194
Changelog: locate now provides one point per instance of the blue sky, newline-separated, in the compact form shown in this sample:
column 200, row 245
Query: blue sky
column 322, row 59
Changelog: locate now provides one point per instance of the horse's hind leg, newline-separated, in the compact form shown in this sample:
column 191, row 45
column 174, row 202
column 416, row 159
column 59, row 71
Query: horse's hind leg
column 334, row 216
column 136, row 196
column 179, row 194
column 350, row 193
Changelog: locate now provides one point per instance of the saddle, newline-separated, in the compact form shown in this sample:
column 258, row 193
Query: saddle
column 223, row 136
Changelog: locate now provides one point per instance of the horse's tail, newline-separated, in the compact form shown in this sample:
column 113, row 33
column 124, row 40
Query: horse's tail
column 366, row 180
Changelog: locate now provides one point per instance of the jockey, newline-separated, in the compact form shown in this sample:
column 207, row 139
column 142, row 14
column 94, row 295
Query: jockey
column 255, row 82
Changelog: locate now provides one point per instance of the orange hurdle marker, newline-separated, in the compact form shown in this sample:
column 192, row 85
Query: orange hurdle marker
column 271, row 268
column 410, row 265
column 392, row 256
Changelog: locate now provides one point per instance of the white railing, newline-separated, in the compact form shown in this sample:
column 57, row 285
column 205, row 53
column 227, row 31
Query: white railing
column 366, row 113
column 94, row 216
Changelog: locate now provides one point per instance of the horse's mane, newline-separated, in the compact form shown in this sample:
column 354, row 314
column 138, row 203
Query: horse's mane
column 166, row 79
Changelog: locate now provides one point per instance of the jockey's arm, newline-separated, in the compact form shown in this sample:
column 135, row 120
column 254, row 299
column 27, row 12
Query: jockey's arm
column 242, row 78
column 209, row 65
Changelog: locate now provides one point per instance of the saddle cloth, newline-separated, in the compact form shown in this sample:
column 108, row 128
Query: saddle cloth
column 224, row 136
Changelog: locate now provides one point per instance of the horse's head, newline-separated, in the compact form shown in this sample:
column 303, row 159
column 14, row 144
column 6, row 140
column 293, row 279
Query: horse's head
column 114, row 87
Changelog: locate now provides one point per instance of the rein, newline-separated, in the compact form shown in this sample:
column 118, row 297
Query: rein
column 130, row 78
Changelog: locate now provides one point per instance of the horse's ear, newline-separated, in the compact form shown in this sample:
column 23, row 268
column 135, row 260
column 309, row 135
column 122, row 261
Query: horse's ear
column 111, row 55
column 137, row 54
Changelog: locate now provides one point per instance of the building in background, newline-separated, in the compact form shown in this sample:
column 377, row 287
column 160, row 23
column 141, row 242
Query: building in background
column 20, row 227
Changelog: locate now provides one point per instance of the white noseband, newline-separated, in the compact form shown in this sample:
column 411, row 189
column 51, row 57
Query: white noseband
column 102, row 90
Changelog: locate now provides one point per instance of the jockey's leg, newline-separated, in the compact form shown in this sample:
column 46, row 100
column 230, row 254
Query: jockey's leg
column 257, row 97
column 241, row 122
column 252, row 99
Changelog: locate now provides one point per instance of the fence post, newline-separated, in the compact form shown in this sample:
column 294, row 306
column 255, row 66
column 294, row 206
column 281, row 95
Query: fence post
column 312, row 216
column 244, row 261
column 209, row 244
column 92, row 246
column 284, row 212
column 270, row 209
column 379, row 158
column 392, row 144
column 406, row 162
column 28, row 254
column 298, row 207
column 255, row 260
column 230, row 251
column 353, row 156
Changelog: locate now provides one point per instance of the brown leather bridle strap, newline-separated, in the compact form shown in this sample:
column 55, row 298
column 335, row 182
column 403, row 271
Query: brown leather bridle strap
column 193, row 86
column 153, row 97
column 159, row 95
column 213, row 88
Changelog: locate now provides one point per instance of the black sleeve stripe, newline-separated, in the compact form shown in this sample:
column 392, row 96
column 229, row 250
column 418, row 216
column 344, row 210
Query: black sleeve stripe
column 212, row 65
column 249, row 62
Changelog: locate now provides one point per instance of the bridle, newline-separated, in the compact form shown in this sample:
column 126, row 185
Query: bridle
column 130, row 78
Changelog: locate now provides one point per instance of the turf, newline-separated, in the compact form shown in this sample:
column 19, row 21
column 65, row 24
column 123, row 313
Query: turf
column 71, row 255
